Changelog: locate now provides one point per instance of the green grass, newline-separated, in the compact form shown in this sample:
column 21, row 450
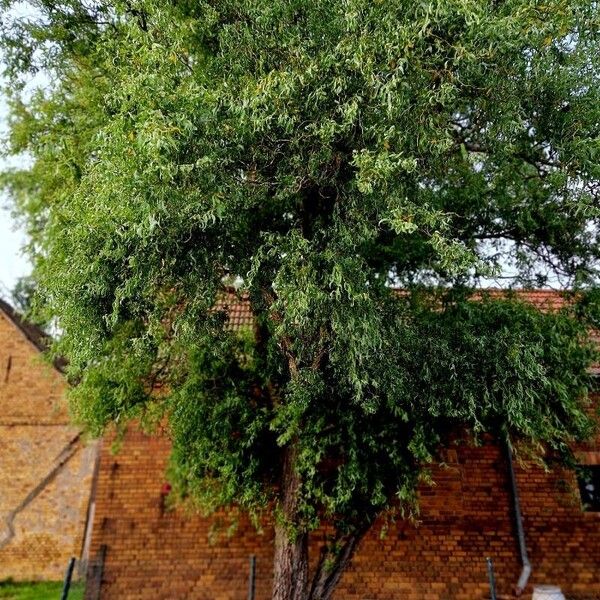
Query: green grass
column 45, row 590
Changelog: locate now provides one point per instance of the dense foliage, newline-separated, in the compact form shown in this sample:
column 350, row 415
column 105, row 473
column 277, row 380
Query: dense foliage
column 315, row 155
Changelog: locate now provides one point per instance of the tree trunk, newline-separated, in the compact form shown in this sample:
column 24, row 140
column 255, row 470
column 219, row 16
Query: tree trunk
column 290, row 569
column 290, row 573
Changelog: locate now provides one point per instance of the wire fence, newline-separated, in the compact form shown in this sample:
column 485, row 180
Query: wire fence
column 95, row 572
column 79, row 574
column 83, row 579
column 73, row 583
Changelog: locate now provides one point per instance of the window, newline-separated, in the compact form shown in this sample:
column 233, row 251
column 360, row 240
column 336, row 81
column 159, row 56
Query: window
column 588, row 478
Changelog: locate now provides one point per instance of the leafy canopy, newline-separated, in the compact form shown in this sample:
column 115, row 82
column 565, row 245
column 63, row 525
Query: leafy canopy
column 316, row 154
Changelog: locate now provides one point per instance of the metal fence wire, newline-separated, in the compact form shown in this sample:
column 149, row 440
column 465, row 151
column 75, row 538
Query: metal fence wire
column 95, row 573
column 90, row 574
column 74, row 580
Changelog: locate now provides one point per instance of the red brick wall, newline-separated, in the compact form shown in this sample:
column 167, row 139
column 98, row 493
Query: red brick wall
column 45, row 469
column 465, row 517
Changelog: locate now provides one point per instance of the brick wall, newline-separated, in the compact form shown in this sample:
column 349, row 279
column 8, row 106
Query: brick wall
column 152, row 553
column 45, row 469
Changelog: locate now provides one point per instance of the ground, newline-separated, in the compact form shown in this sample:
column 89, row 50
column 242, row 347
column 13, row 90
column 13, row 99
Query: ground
column 47, row 590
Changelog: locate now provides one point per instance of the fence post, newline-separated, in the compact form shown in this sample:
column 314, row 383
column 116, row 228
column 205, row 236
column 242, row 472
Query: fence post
column 252, row 578
column 67, row 581
column 490, row 570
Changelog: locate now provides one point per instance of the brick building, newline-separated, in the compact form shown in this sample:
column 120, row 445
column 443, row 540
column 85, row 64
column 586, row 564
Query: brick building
column 469, row 515
column 45, row 468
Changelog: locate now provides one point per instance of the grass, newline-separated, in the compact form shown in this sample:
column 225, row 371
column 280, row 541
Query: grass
column 45, row 590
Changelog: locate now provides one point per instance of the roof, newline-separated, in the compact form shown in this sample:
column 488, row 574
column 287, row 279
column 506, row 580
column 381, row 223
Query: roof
column 549, row 300
column 239, row 313
column 33, row 333
column 237, row 308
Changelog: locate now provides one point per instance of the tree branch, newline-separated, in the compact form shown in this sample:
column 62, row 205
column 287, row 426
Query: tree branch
column 331, row 566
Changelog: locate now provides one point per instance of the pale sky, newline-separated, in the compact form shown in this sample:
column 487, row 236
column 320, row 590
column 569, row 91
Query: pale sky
column 12, row 262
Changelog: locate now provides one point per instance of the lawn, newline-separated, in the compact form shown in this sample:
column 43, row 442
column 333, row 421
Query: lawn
column 46, row 590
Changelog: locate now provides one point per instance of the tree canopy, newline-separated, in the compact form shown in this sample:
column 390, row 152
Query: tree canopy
column 355, row 171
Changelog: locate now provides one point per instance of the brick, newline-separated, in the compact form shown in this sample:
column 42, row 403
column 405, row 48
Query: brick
column 34, row 430
column 464, row 518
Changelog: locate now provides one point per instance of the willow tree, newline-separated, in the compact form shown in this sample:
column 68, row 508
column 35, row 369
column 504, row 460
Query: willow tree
column 314, row 155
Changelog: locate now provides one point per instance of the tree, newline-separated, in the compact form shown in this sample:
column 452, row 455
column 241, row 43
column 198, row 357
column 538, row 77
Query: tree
column 316, row 155
column 22, row 294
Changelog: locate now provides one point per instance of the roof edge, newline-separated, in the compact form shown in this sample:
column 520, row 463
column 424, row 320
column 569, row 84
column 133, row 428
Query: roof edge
column 34, row 334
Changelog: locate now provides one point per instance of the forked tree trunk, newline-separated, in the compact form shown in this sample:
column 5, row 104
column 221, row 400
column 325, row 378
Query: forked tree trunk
column 290, row 569
column 330, row 568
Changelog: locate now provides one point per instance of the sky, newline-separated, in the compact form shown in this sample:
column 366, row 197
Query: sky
column 13, row 264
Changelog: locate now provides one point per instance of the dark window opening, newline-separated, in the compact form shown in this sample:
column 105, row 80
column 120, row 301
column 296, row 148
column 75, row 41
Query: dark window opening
column 588, row 478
